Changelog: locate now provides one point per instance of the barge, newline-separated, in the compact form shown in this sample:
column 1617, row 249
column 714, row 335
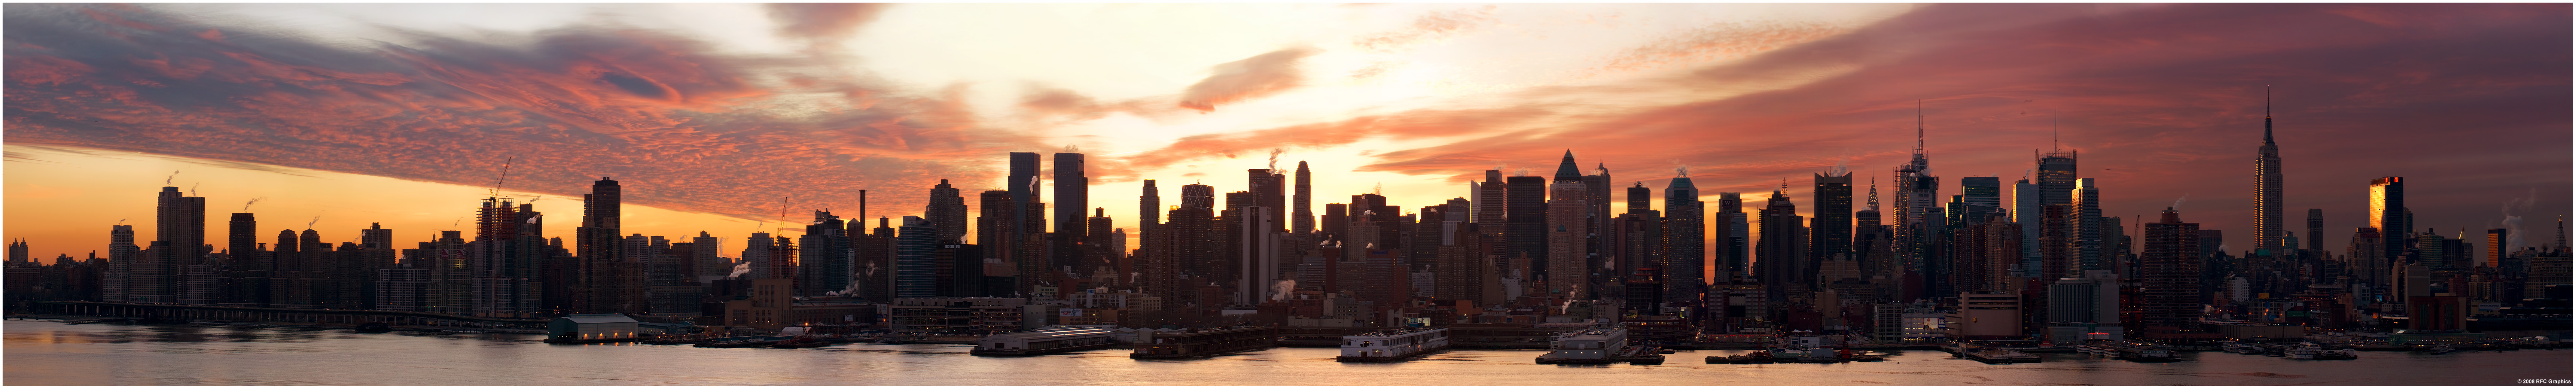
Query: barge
column 1393, row 345
column 1599, row 346
column 1204, row 342
column 1044, row 341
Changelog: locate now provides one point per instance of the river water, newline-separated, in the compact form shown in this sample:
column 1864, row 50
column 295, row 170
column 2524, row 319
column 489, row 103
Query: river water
column 52, row 353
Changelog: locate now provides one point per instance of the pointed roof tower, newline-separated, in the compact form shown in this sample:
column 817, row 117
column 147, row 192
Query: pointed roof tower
column 1565, row 169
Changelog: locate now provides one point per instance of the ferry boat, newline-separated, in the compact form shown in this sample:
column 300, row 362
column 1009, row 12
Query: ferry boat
column 1393, row 345
column 1588, row 346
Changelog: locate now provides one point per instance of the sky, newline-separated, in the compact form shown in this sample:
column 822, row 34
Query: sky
column 722, row 117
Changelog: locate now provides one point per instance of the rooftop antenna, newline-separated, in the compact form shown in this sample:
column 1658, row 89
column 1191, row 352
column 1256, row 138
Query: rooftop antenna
column 2052, row 129
column 1918, row 129
column 2267, row 115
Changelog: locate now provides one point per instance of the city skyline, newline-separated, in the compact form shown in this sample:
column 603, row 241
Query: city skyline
column 1205, row 184
column 1967, row 133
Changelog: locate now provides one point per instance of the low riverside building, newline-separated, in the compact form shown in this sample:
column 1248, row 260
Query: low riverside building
column 1204, row 342
column 593, row 328
column 1596, row 345
column 972, row 315
column 1046, row 341
column 1393, row 344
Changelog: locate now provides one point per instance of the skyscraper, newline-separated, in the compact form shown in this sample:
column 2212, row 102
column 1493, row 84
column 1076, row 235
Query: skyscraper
column 1780, row 253
column 1832, row 230
column 1259, row 266
column 1023, row 185
column 598, row 243
column 1734, row 232
column 1917, row 216
column 2170, row 270
column 1526, row 235
column 947, row 211
column 242, row 242
column 2087, row 232
column 1569, row 232
column 993, row 222
column 2317, row 230
column 1302, row 217
column 1072, row 196
column 2388, row 215
column 1685, row 241
column 827, row 258
column 915, row 258
column 2267, row 188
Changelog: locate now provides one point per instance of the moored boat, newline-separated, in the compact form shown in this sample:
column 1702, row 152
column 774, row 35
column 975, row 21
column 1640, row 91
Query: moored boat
column 1393, row 345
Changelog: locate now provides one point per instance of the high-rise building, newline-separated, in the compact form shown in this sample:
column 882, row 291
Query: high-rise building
column 1023, row 185
column 116, row 283
column 2267, row 189
column 179, row 234
column 2028, row 203
column 1918, row 220
column 2169, row 268
column 1979, row 198
column 1525, row 237
column 598, row 243
column 992, row 218
column 2087, row 233
column 1734, row 234
column 509, row 257
column 1072, row 196
column 2317, row 230
column 1258, row 232
column 2495, row 247
column 1780, row 252
column 947, row 211
column 242, row 243
column 1832, row 231
column 1569, row 232
column 1685, row 230
column 2388, row 215
column 1302, row 209
column 1199, row 237
column 916, row 249
column 827, row 260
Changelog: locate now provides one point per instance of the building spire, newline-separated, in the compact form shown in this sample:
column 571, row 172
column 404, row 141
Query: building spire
column 1873, row 193
column 2267, row 115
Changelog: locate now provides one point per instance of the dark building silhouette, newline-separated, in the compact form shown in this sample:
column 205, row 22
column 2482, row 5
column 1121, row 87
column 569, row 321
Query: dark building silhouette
column 1734, row 235
column 827, row 259
column 1023, row 186
column 599, row 244
column 1072, row 196
column 1301, row 205
column 1831, row 233
column 1780, row 253
column 1525, row 236
column 2169, row 271
column 947, row 210
column 1685, row 242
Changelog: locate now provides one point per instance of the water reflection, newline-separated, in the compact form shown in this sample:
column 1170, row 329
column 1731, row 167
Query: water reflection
column 49, row 353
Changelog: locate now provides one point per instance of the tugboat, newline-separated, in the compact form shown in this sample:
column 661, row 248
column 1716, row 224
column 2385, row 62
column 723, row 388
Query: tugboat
column 1589, row 346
